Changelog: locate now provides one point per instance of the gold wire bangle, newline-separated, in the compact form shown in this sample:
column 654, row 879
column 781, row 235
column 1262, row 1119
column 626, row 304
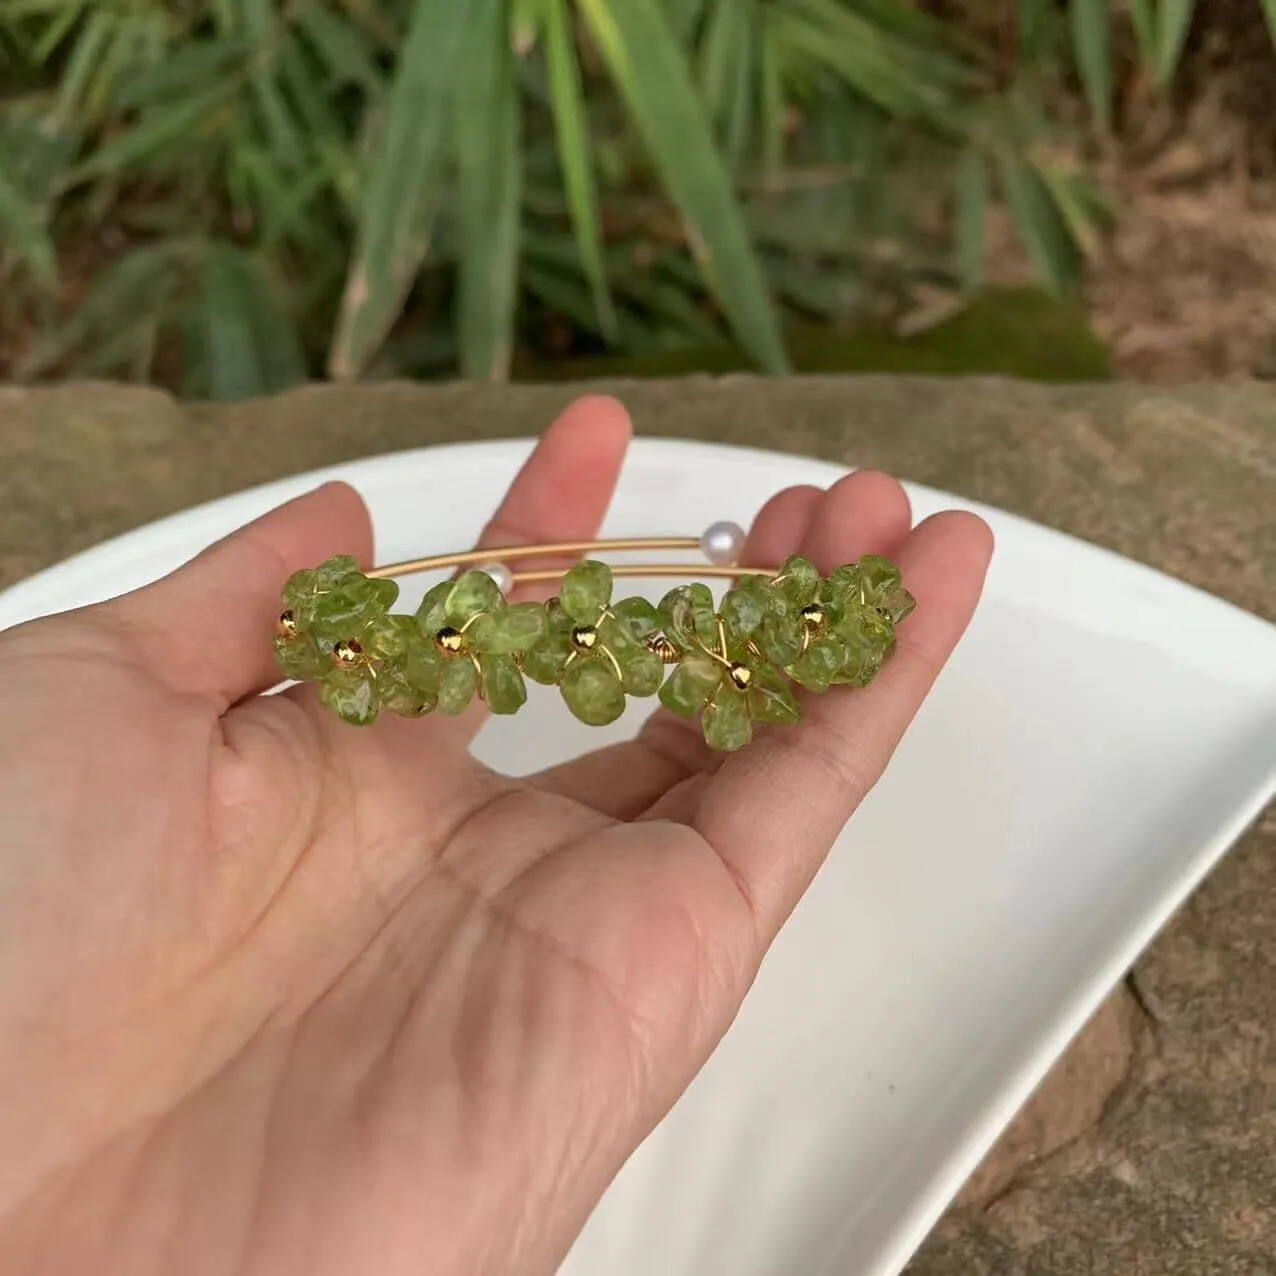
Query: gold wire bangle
column 497, row 556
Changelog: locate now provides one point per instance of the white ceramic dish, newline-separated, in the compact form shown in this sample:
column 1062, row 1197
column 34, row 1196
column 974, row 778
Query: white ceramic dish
column 1100, row 738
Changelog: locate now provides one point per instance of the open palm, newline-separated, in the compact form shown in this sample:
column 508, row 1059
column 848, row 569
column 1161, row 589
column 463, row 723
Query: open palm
column 280, row 996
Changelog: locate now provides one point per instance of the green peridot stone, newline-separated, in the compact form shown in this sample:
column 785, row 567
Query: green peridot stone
column 400, row 695
column 352, row 695
column 800, row 581
column 544, row 662
column 301, row 587
column 432, row 613
column 592, row 692
column 586, row 591
column 473, row 594
column 642, row 671
column 638, row 617
column 422, row 666
column 457, row 685
column 299, row 658
column 771, row 699
column 878, row 576
column 816, row 668
column 780, row 639
column 726, row 722
column 897, row 604
column 690, row 685
column 349, row 606
column 503, row 685
column 510, row 629
column 746, row 606
column 687, row 613
column 387, row 637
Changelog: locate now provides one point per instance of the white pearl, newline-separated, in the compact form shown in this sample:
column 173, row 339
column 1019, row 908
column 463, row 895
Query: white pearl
column 501, row 574
column 722, row 542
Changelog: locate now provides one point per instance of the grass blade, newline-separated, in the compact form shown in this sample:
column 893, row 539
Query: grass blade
column 22, row 229
column 1269, row 12
column 1176, row 19
column 651, row 72
column 489, row 180
column 575, row 156
column 1036, row 217
column 971, row 218
column 403, row 184
column 1092, row 48
column 1143, row 17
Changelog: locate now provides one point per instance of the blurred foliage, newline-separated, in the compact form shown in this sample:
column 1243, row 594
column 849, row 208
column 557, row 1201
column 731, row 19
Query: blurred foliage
column 239, row 194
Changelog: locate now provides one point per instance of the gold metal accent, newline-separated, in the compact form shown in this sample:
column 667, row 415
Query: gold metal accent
column 584, row 637
column 448, row 639
column 813, row 615
column 615, row 664
column 674, row 570
column 347, row 653
column 286, row 626
column 668, row 651
column 741, row 676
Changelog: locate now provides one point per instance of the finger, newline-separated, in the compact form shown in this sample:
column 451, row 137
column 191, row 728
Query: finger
column 561, row 494
column 773, row 810
column 206, row 629
column 864, row 513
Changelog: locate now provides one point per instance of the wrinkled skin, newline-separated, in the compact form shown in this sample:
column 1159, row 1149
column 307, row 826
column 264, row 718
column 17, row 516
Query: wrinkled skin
column 281, row 996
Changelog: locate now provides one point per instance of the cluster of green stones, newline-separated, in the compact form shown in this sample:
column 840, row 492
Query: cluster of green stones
column 735, row 664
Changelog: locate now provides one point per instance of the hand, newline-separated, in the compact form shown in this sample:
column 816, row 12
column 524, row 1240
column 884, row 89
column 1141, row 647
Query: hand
column 279, row 995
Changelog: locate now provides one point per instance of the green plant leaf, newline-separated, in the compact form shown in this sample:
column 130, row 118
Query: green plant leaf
column 1143, row 18
column 248, row 346
column 489, row 180
column 1269, row 12
column 574, row 156
column 651, row 71
column 176, row 124
column 22, row 227
column 343, row 47
column 403, row 184
column 1092, row 47
column 1037, row 220
column 971, row 218
column 1176, row 20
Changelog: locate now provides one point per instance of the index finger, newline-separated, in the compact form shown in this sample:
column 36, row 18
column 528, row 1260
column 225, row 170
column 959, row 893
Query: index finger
column 774, row 809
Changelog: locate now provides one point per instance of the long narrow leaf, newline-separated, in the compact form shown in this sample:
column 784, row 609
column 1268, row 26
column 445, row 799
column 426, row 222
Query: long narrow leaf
column 402, row 186
column 652, row 74
column 489, row 180
column 268, row 33
column 1092, row 47
column 1269, row 12
column 1036, row 218
column 22, row 228
column 1143, row 16
column 575, row 156
column 971, row 218
column 1176, row 19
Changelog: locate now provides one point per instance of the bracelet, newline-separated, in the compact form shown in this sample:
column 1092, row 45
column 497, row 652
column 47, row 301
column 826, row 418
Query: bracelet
column 735, row 664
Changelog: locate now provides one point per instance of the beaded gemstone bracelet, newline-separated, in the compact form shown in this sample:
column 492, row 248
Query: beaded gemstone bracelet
column 735, row 663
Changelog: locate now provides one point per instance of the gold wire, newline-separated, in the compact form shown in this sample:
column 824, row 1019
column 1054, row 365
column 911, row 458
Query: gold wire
column 504, row 552
column 650, row 569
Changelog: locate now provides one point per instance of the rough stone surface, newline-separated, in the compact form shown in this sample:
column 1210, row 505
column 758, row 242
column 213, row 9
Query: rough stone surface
column 1151, row 1149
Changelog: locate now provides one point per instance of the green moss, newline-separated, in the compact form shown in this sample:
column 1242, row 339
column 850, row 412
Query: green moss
column 1014, row 332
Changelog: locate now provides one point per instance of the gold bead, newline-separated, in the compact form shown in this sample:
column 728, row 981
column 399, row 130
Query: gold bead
column 286, row 626
column 347, row 652
column 584, row 637
column 741, row 676
column 813, row 615
column 448, row 639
